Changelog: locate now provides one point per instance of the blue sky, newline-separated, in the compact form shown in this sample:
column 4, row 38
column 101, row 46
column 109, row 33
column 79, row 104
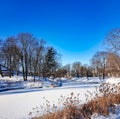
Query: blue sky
column 76, row 28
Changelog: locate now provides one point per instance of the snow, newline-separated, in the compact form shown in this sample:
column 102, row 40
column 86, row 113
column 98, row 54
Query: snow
column 116, row 115
column 17, row 82
column 18, row 106
column 113, row 80
column 26, row 96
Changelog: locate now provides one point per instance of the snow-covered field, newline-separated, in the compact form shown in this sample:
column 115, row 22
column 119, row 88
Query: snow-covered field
column 28, row 96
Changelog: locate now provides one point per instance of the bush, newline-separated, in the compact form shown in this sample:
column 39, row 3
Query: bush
column 103, row 103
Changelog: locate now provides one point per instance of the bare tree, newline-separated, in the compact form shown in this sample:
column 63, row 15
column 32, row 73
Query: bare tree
column 61, row 72
column 86, row 70
column 67, row 67
column 1, row 56
column 95, row 64
column 113, row 64
column 112, row 40
column 98, row 62
column 25, row 43
column 37, row 58
column 76, row 67
column 11, row 54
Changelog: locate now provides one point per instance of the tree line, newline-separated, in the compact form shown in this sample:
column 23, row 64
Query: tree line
column 32, row 56
column 105, row 62
column 28, row 54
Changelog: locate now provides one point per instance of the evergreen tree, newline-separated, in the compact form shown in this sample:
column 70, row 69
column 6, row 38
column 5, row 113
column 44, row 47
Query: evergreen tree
column 50, row 62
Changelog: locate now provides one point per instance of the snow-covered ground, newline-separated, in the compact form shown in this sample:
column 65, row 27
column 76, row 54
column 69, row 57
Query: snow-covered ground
column 29, row 96
column 116, row 114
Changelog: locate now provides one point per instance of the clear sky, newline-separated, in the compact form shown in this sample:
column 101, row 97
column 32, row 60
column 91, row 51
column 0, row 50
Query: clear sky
column 76, row 28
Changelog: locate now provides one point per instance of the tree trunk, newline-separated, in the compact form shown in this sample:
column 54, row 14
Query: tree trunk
column 23, row 70
column 10, row 74
column 104, row 71
column 26, row 67
column 1, row 71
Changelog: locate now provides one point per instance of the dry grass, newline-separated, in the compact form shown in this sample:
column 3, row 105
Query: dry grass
column 103, row 103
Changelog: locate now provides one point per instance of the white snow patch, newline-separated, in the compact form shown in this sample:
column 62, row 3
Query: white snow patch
column 115, row 115
column 17, row 106
column 112, row 80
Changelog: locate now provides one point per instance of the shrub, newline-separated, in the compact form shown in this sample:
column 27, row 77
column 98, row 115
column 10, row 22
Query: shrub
column 103, row 103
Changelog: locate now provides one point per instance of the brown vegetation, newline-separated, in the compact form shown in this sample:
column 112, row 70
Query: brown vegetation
column 103, row 104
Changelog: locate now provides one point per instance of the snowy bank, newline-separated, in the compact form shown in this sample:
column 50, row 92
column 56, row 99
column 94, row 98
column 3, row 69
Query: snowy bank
column 112, row 80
